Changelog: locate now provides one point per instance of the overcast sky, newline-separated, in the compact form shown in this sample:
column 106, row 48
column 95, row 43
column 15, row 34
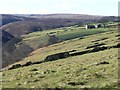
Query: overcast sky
column 92, row 7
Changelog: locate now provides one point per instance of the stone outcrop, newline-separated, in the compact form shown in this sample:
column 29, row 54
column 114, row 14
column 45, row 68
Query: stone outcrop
column 57, row 56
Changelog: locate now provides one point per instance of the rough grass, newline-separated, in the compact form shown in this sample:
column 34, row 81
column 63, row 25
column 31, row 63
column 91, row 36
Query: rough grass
column 82, row 71
column 60, row 73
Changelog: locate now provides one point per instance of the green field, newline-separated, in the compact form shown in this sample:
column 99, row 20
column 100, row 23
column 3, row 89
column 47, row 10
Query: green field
column 38, row 39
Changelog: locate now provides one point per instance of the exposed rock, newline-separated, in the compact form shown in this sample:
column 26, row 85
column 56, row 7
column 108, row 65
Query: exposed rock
column 24, row 65
column 38, row 62
column 117, row 46
column 76, row 83
column 117, row 35
column 72, row 51
column 35, row 80
column 34, row 69
column 41, row 76
column 28, row 63
column 62, row 55
column 104, row 62
column 95, row 40
column 95, row 45
column 18, row 84
column 80, row 53
column 104, row 38
column 15, row 66
column 96, row 49
column 49, row 71
column 57, row 56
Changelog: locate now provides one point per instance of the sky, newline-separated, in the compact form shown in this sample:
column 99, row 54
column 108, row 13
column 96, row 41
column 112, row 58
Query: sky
column 91, row 7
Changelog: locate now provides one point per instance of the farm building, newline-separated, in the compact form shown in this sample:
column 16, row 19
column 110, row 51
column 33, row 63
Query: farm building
column 98, row 26
column 89, row 26
column 93, row 26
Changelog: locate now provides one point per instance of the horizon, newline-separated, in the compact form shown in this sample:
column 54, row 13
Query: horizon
column 63, row 14
column 93, row 7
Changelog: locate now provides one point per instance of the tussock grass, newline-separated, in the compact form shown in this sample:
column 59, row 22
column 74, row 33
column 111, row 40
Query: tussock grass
column 82, row 71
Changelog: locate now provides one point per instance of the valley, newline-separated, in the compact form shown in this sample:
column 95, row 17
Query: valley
column 69, row 56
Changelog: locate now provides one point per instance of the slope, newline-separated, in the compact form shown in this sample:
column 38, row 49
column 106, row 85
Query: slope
column 98, row 69
column 23, row 24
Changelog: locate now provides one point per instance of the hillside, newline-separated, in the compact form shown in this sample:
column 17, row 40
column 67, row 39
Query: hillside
column 24, row 24
column 6, row 37
column 65, row 16
column 43, row 38
column 9, row 18
column 56, row 51
column 92, row 64
column 18, row 48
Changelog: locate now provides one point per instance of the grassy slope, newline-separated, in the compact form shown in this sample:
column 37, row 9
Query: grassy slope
column 38, row 39
column 81, row 69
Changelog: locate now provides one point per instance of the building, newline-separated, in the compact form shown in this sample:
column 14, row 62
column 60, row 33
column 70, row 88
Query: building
column 89, row 26
column 93, row 26
column 98, row 26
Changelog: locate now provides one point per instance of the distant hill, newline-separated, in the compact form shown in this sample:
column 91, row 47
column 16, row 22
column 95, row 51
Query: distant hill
column 21, row 24
column 65, row 16
column 9, row 18
column 24, row 24
column 109, row 18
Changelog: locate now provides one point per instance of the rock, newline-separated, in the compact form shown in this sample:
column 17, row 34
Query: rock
column 15, row 66
column 35, row 73
column 72, row 51
column 18, row 83
column 34, row 69
column 104, row 38
column 95, row 40
column 27, row 64
column 35, row 80
column 57, row 56
column 80, row 53
column 42, row 72
column 3, row 74
column 29, row 76
column 104, row 62
column 61, row 84
column 117, row 46
column 95, row 45
column 76, row 83
column 100, row 63
column 117, row 35
column 26, row 82
column 49, row 71
column 41, row 76
column 38, row 62
column 96, row 49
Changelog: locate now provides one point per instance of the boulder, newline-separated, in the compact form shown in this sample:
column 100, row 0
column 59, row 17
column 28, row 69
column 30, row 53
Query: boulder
column 27, row 64
column 92, row 46
column 57, row 56
column 15, row 66
column 96, row 49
